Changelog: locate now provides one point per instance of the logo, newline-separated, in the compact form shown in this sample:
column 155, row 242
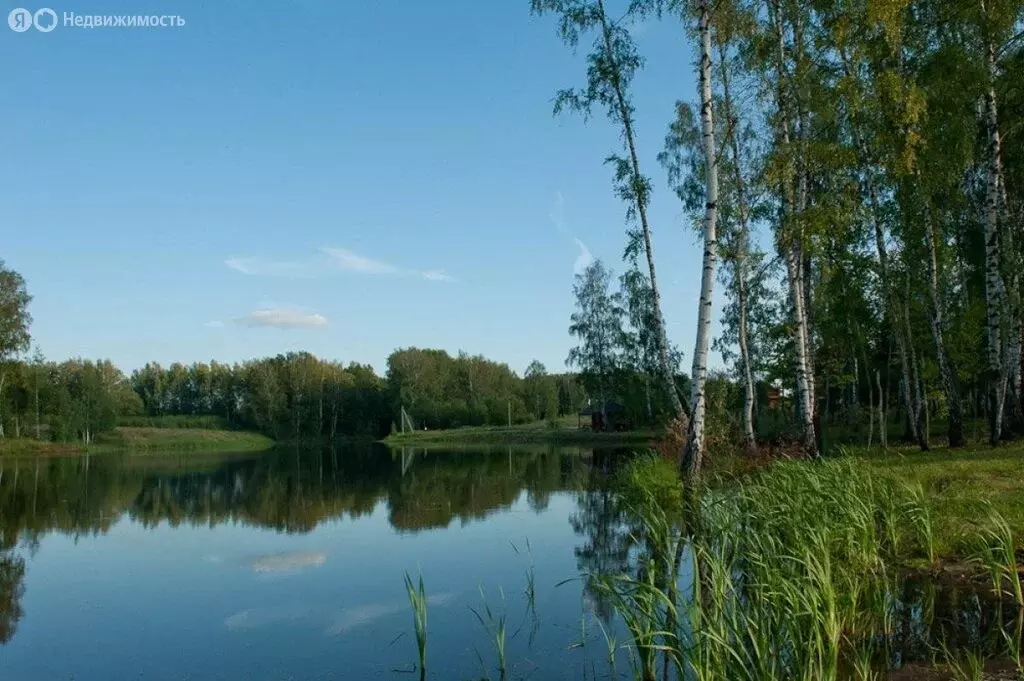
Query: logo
column 20, row 20
column 45, row 20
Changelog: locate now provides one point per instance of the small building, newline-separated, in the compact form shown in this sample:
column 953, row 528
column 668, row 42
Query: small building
column 614, row 411
column 777, row 395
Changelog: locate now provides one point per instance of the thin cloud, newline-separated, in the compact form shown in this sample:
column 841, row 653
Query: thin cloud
column 262, row 267
column 353, row 262
column 282, row 318
column 362, row 615
column 584, row 258
column 437, row 275
column 557, row 215
column 288, row 562
column 329, row 261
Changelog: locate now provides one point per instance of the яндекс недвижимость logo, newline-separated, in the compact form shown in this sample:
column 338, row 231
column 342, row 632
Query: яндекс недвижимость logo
column 20, row 20
column 45, row 20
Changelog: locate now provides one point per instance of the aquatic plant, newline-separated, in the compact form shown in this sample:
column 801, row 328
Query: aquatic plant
column 494, row 623
column 418, row 600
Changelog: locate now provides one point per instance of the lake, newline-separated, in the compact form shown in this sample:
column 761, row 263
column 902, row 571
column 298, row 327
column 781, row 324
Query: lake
column 290, row 565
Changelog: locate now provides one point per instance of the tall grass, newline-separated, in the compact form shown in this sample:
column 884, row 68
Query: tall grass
column 794, row 572
column 994, row 549
column 418, row 600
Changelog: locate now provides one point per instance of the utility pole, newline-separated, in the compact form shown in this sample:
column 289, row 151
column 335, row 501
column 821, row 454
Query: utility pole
column 510, row 412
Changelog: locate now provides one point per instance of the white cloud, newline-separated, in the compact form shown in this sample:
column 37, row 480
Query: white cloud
column 288, row 562
column 437, row 275
column 261, row 267
column 353, row 262
column 283, row 318
column 583, row 260
column 558, row 213
column 215, row 324
column 351, row 618
column 329, row 261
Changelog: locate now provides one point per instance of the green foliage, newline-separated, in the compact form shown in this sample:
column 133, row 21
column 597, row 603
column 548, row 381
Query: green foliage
column 441, row 391
column 650, row 482
column 14, row 315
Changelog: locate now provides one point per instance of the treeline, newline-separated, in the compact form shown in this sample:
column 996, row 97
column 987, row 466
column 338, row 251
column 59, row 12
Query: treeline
column 856, row 173
column 295, row 396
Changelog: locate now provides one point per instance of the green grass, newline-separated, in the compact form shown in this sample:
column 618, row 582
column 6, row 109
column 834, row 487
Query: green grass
column 961, row 487
column 182, row 439
column 144, row 440
column 565, row 430
column 28, row 447
column 174, row 421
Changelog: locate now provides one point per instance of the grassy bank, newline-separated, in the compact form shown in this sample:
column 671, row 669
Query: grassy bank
column 563, row 431
column 141, row 439
column 960, row 486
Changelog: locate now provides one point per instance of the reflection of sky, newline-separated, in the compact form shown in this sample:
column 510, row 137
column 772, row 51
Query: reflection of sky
column 172, row 603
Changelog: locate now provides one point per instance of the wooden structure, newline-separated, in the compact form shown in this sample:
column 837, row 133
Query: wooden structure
column 614, row 411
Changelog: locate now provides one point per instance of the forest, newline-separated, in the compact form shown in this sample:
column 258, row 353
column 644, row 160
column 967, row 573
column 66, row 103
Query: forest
column 856, row 174
column 294, row 396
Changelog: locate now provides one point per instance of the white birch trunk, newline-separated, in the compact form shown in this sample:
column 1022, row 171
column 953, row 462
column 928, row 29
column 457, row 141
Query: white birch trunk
column 947, row 370
column 995, row 295
column 792, row 254
column 742, row 254
column 883, row 422
column 694, row 451
column 892, row 305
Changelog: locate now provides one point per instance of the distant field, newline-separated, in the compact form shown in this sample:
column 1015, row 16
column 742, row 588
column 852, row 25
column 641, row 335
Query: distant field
column 184, row 439
column 138, row 439
column 564, row 430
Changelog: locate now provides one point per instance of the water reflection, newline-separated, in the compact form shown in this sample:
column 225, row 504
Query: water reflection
column 291, row 490
column 303, row 592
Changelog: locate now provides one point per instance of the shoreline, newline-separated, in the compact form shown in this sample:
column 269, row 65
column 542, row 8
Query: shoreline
column 145, row 440
column 523, row 435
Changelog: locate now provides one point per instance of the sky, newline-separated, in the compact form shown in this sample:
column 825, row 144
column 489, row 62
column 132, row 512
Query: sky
column 344, row 177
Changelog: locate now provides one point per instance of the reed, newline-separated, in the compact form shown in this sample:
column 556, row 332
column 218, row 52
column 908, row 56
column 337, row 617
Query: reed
column 494, row 623
column 994, row 549
column 418, row 600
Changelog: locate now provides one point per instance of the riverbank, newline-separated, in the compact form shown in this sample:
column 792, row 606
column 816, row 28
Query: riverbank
column 531, row 433
column 960, row 486
column 144, row 439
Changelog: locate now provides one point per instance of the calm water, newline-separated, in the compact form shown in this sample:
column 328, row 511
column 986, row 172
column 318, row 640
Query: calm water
column 290, row 565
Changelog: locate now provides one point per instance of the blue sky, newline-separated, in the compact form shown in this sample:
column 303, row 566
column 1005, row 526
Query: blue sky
column 340, row 177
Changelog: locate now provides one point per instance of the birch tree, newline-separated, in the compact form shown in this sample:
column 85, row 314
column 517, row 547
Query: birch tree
column 789, row 236
column 597, row 323
column 612, row 64
column 693, row 453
